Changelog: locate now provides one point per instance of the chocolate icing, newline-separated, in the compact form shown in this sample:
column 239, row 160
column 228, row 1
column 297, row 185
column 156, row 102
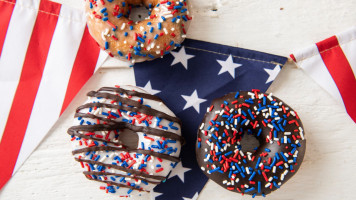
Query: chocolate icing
column 135, row 172
column 114, row 183
column 243, row 100
column 108, row 148
column 124, row 125
column 127, row 137
column 141, row 108
column 122, row 175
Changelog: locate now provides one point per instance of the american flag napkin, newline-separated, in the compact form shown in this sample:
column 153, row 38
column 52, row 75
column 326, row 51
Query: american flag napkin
column 187, row 80
column 46, row 56
column 332, row 64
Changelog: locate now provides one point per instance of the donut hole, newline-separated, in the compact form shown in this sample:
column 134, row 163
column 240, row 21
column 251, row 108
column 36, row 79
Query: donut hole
column 139, row 13
column 249, row 142
column 128, row 138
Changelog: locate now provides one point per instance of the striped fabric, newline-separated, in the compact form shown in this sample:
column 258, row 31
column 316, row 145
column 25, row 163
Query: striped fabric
column 46, row 56
column 332, row 64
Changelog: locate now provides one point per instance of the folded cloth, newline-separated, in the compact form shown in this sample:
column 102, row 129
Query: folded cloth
column 332, row 64
column 46, row 56
column 187, row 80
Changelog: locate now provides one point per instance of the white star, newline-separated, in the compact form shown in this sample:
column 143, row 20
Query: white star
column 181, row 57
column 272, row 73
column 193, row 100
column 154, row 194
column 179, row 171
column 228, row 66
column 148, row 88
column 193, row 198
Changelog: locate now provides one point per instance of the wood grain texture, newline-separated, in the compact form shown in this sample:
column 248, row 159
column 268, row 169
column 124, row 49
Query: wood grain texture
column 274, row 26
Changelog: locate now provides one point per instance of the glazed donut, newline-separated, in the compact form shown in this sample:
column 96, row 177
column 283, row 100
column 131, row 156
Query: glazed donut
column 110, row 25
column 125, row 139
column 220, row 147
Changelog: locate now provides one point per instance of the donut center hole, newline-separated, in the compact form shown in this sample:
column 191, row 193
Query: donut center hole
column 128, row 138
column 139, row 13
column 249, row 142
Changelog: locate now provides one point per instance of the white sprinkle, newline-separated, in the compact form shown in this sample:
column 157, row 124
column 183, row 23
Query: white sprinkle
column 286, row 165
column 123, row 26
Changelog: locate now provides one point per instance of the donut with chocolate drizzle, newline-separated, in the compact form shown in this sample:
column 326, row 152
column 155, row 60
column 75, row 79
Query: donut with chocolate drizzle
column 125, row 139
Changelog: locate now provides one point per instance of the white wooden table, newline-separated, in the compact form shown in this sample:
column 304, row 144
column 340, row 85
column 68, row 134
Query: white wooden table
column 273, row 26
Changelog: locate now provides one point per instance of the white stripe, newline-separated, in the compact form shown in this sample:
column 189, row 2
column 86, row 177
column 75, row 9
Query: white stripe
column 14, row 52
column 347, row 41
column 52, row 89
column 313, row 65
column 102, row 57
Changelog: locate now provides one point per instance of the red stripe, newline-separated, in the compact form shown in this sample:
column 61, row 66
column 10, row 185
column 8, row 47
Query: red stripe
column 83, row 68
column 25, row 95
column 5, row 15
column 341, row 71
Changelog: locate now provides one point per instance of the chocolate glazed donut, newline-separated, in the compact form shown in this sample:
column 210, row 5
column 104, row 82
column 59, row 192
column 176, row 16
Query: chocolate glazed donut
column 222, row 154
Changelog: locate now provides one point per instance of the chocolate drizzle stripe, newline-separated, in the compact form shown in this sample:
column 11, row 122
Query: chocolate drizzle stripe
column 114, row 183
column 135, row 172
column 123, row 125
column 92, row 138
column 131, row 93
column 120, row 175
column 141, row 151
column 130, row 102
column 150, row 112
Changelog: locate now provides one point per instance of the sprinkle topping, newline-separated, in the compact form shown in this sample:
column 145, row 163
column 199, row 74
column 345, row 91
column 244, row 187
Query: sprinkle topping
column 118, row 33
column 264, row 168
column 123, row 139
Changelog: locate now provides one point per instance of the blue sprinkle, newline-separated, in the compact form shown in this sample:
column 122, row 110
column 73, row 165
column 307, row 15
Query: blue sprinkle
column 105, row 19
column 249, row 189
column 249, row 112
column 275, row 184
column 159, row 25
column 106, row 45
column 258, row 162
column 259, row 187
column 156, row 36
column 184, row 18
column 237, row 95
column 267, row 149
column 252, row 175
column 119, row 15
column 163, row 18
column 284, row 157
column 103, row 10
column 183, row 10
column 214, row 170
